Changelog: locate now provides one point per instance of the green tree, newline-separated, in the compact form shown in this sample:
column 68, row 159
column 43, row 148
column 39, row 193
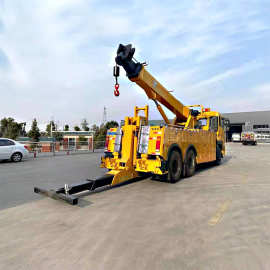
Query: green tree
column 66, row 127
column 95, row 129
column 111, row 124
column 84, row 125
column 76, row 128
column 34, row 133
column 58, row 136
column 82, row 139
column 11, row 129
column 50, row 127
column 100, row 133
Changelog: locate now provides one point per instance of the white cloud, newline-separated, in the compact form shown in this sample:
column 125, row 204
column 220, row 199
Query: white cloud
column 245, row 68
column 60, row 54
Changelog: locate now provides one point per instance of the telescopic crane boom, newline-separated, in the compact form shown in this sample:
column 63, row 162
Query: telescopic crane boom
column 153, row 89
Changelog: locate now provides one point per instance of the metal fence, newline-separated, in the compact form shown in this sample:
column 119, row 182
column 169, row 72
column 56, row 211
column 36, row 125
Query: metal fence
column 63, row 148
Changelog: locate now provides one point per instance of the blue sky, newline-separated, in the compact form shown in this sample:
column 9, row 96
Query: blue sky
column 56, row 57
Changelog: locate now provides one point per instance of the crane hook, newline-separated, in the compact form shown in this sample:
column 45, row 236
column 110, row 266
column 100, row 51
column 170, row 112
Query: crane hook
column 116, row 91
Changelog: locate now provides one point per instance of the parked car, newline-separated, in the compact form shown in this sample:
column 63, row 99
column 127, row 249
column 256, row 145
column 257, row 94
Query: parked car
column 10, row 149
column 236, row 137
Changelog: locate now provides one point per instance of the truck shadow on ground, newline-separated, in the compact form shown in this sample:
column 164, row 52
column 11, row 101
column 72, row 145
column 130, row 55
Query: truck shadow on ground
column 211, row 165
column 199, row 169
column 84, row 203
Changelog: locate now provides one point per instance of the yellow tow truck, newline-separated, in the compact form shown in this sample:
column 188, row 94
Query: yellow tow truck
column 171, row 151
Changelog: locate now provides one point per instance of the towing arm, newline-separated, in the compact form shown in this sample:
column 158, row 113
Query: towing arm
column 154, row 90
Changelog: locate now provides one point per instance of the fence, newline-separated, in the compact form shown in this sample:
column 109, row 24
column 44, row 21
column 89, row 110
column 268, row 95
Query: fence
column 58, row 148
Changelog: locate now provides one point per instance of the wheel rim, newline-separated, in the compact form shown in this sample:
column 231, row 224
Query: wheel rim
column 16, row 157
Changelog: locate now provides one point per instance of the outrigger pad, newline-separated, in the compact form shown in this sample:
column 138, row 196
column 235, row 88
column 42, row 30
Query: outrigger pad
column 68, row 193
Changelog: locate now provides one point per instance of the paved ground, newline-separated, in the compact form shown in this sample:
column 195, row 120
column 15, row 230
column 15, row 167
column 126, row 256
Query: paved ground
column 18, row 180
column 218, row 219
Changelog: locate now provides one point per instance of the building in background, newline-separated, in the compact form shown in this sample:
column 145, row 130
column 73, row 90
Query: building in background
column 257, row 121
column 77, row 139
column 72, row 140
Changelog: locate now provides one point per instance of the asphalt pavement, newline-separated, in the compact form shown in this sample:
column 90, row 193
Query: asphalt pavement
column 17, row 180
column 217, row 219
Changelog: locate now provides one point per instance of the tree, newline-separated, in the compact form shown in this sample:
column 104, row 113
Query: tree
column 84, row 125
column 100, row 132
column 11, row 129
column 95, row 129
column 34, row 133
column 66, row 127
column 58, row 136
column 82, row 139
column 111, row 124
column 76, row 128
column 50, row 127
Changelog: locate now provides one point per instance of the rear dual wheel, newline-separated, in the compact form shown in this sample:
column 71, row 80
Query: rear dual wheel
column 176, row 166
column 190, row 164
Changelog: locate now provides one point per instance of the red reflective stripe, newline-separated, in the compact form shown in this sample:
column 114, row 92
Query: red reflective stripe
column 107, row 142
column 158, row 143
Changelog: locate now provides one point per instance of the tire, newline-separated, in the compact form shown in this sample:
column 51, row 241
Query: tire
column 190, row 163
column 16, row 157
column 218, row 155
column 175, row 166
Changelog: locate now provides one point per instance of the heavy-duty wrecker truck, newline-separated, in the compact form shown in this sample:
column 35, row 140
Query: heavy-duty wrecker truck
column 170, row 151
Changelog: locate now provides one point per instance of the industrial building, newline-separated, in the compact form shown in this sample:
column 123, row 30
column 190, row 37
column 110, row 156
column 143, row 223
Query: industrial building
column 258, row 121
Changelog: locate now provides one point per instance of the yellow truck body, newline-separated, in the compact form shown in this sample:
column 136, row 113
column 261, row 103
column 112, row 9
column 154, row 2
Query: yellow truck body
column 162, row 140
column 137, row 147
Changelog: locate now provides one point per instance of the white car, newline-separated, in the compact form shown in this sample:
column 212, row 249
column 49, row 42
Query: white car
column 10, row 149
column 236, row 137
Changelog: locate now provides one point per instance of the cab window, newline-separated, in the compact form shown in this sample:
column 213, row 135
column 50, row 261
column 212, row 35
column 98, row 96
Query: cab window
column 214, row 124
column 202, row 122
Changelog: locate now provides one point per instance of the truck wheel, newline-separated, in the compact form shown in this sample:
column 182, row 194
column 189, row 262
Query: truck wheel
column 175, row 166
column 218, row 155
column 190, row 163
